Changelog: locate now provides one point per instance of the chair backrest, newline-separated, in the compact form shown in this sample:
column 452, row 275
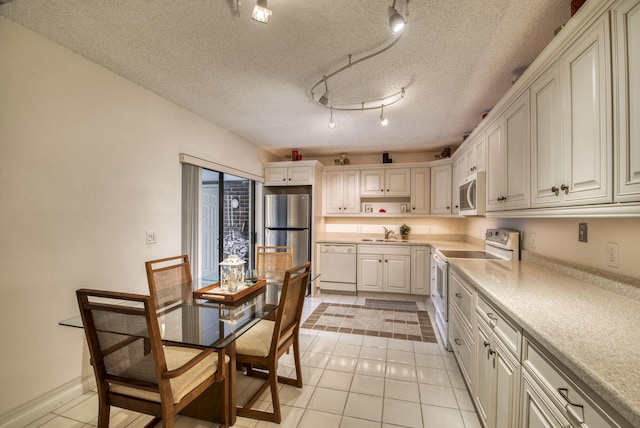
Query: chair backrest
column 273, row 260
column 169, row 272
column 289, row 312
column 123, row 338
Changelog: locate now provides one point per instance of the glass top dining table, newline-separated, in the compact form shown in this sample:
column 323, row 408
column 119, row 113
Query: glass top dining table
column 184, row 319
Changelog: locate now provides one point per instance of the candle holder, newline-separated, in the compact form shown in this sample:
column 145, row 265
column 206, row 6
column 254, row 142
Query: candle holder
column 232, row 274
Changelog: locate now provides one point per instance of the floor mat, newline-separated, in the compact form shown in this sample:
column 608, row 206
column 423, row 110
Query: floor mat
column 358, row 319
column 391, row 305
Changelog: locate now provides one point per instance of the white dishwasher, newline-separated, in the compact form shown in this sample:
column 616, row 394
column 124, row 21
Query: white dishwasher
column 338, row 268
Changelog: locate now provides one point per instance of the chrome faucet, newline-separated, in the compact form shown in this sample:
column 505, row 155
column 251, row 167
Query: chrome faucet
column 387, row 232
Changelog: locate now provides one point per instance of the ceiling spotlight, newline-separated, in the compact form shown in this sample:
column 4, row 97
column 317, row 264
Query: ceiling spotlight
column 396, row 21
column 332, row 123
column 260, row 12
column 324, row 99
column 383, row 120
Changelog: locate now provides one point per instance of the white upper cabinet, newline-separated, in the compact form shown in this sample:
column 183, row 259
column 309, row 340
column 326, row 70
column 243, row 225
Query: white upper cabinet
column 508, row 166
column 420, row 190
column 546, row 138
column 288, row 175
column 587, row 141
column 441, row 189
column 385, row 182
column 626, row 29
column 341, row 192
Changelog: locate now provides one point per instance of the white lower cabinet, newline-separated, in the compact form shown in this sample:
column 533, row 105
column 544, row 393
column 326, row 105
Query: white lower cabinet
column 384, row 268
column 536, row 411
column 496, row 394
column 566, row 401
column 420, row 273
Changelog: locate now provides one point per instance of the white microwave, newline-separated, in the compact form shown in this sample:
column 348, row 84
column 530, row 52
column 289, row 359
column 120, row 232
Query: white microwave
column 473, row 194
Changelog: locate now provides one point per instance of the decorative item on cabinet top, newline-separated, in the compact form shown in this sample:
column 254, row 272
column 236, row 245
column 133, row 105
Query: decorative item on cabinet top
column 385, row 208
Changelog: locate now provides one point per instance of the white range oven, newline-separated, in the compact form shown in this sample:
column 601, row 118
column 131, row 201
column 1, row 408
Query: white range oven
column 500, row 244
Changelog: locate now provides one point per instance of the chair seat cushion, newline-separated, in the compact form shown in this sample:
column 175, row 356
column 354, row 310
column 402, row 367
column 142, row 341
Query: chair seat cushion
column 257, row 341
column 176, row 356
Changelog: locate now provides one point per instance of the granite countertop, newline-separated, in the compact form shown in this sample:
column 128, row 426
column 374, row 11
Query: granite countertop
column 593, row 331
column 448, row 242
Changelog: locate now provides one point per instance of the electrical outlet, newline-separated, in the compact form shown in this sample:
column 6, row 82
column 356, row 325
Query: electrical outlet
column 612, row 254
column 532, row 240
column 582, row 232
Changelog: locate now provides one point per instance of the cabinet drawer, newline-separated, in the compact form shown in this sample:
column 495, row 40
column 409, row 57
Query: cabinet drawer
column 571, row 401
column 505, row 329
column 461, row 296
column 385, row 250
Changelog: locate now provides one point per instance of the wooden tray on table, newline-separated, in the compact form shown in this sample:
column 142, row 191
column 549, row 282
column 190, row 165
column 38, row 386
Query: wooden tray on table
column 215, row 293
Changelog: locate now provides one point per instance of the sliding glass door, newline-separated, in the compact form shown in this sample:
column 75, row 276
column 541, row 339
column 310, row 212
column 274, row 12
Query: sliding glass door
column 218, row 219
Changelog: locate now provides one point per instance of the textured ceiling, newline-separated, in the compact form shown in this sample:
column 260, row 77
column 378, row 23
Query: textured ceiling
column 456, row 59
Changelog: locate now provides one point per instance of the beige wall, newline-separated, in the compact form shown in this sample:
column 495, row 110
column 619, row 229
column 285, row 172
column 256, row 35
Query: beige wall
column 88, row 163
column 558, row 238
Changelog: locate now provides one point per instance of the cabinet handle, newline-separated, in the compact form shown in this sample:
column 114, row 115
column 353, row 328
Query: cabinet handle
column 555, row 190
column 457, row 342
column 413, row 208
column 491, row 351
column 486, row 343
column 448, row 208
column 382, row 190
column 565, row 188
column 571, row 414
column 459, row 296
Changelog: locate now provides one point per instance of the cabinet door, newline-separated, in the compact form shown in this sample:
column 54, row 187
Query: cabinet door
column 420, row 190
column 481, row 159
column 507, row 382
column 332, row 192
column 397, row 182
column 518, row 155
column 372, row 182
column 300, row 175
column 546, row 139
column 496, row 171
column 369, row 272
column 626, row 22
column 441, row 189
column 276, row 176
column 351, row 192
column 587, row 139
column 420, row 270
column 484, row 372
column 397, row 274
column 456, row 176
column 535, row 412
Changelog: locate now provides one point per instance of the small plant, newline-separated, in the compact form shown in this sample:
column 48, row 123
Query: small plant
column 405, row 229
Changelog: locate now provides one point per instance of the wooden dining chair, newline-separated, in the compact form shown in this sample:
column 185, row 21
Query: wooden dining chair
column 133, row 368
column 168, row 272
column 265, row 343
column 163, row 275
column 273, row 261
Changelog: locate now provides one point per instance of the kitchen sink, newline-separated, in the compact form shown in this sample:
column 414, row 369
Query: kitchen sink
column 379, row 240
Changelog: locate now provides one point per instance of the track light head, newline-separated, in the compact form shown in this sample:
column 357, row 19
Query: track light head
column 383, row 120
column 332, row 123
column 396, row 21
column 324, row 99
column 261, row 12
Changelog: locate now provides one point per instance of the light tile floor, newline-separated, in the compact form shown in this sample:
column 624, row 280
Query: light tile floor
column 350, row 381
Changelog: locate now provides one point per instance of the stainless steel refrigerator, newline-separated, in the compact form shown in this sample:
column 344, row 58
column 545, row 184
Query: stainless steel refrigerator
column 287, row 221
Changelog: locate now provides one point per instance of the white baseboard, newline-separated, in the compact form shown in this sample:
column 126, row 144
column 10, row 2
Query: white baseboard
column 35, row 409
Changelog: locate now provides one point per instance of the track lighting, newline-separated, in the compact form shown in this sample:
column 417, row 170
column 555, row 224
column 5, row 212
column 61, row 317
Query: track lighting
column 383, row 120
column 366, row 104
column 332, row 123
column 396, row 21
column 261, row 12
column 324, row 99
